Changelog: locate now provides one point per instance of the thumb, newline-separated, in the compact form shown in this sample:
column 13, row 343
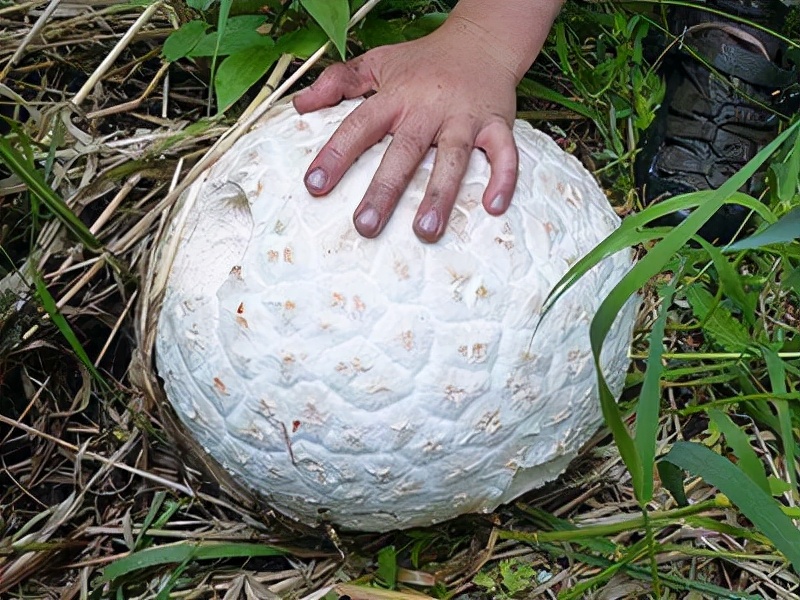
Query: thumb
column 339, row 81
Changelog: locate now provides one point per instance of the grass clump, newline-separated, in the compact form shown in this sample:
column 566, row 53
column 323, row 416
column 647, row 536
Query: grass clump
column 690, row 492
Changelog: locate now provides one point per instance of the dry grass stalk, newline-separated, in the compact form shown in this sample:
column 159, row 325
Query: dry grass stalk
column 81, row 467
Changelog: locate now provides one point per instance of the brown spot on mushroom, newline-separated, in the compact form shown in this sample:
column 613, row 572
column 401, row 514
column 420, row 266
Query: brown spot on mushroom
column 272, row 256
column 279, row 226
column 288, row 358
column 295, row 426
column 259, row 187
column 240, row 308
column 337, row 299
column 549, row 227
column 407, row 339
column 489, row 422
column 236, row 271
column 482, row 292
column 301, row 125
column 288, row 255
column 289, row 305
column 561, row 188
column 220, row 386
column 401, row 270
column 479, row 351
column 242, row 322
column 455, row 394
column 462, row 350
column 359, row 304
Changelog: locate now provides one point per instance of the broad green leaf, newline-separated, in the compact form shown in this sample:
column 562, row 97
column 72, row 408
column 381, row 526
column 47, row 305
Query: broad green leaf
column 181, row 552
column 200, row 5
column 717, row 321
column 376, row 32
column 302, row 43
column 240, row 33
column 755, row 504
column 332, row 16
column 786, row 229
column 181, row 41
column 650, row 397
column 424, row 25
column 37, row 186
column 738, row 442
column 387, row 567
column 239, row 72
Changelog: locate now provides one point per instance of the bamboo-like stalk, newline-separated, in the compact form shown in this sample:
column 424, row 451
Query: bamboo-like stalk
column 37, row 27
column 98, row 73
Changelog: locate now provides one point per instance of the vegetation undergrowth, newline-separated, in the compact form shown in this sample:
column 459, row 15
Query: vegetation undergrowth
column 694, row 492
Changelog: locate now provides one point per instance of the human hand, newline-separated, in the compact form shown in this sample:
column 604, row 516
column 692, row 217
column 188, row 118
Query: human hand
column 450, row 89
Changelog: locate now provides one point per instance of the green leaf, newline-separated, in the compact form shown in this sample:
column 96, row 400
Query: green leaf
column 302, row 43
column 181, row 41
column 786, row 229
column 534, row 89
column 740, row 444
column 731, row 283
column 717, row 321
column 182, row 552
column 776, row 370
column 650, row 398
column 332, row 16
column 376, row 32
column 387, row 567
column 200, row 5
column 37, row 186
column 240, row 33
column 642, row 271
column 672, row 479
column 50, row 306
column 424, row 25
column 239, row 72
column 755, row 504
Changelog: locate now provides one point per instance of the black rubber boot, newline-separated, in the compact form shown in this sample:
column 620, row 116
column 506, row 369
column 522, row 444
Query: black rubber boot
column 710, row 124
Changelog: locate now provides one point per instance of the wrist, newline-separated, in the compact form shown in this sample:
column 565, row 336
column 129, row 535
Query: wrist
column 511, row 32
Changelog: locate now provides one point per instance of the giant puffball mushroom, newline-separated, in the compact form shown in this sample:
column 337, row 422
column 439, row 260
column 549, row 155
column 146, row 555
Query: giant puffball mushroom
column 385, row 383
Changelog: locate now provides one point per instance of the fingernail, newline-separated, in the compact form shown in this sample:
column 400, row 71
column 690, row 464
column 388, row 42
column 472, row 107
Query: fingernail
column 428, row 224
column 498, row 203
column 317, row 179
column 368, row 221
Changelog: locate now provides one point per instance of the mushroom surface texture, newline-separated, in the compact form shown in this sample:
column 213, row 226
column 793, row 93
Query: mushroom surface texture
column 385, row 383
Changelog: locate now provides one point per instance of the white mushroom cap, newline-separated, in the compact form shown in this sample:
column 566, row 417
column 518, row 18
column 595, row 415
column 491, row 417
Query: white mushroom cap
column 386, row 383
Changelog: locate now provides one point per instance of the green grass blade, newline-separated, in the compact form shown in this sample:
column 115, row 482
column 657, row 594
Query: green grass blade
column 731, row 282
column 534, row 89
column 650, row 397
column 740, row 444
column 49, row 305
column 650, row 265
column 776, row 369
column 784, row 230
column 181, row 552
column 756, row 504
column 36, row 184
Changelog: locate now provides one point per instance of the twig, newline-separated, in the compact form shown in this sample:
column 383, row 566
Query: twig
column 84, row 92
column 93, row 456
column 37, row 27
